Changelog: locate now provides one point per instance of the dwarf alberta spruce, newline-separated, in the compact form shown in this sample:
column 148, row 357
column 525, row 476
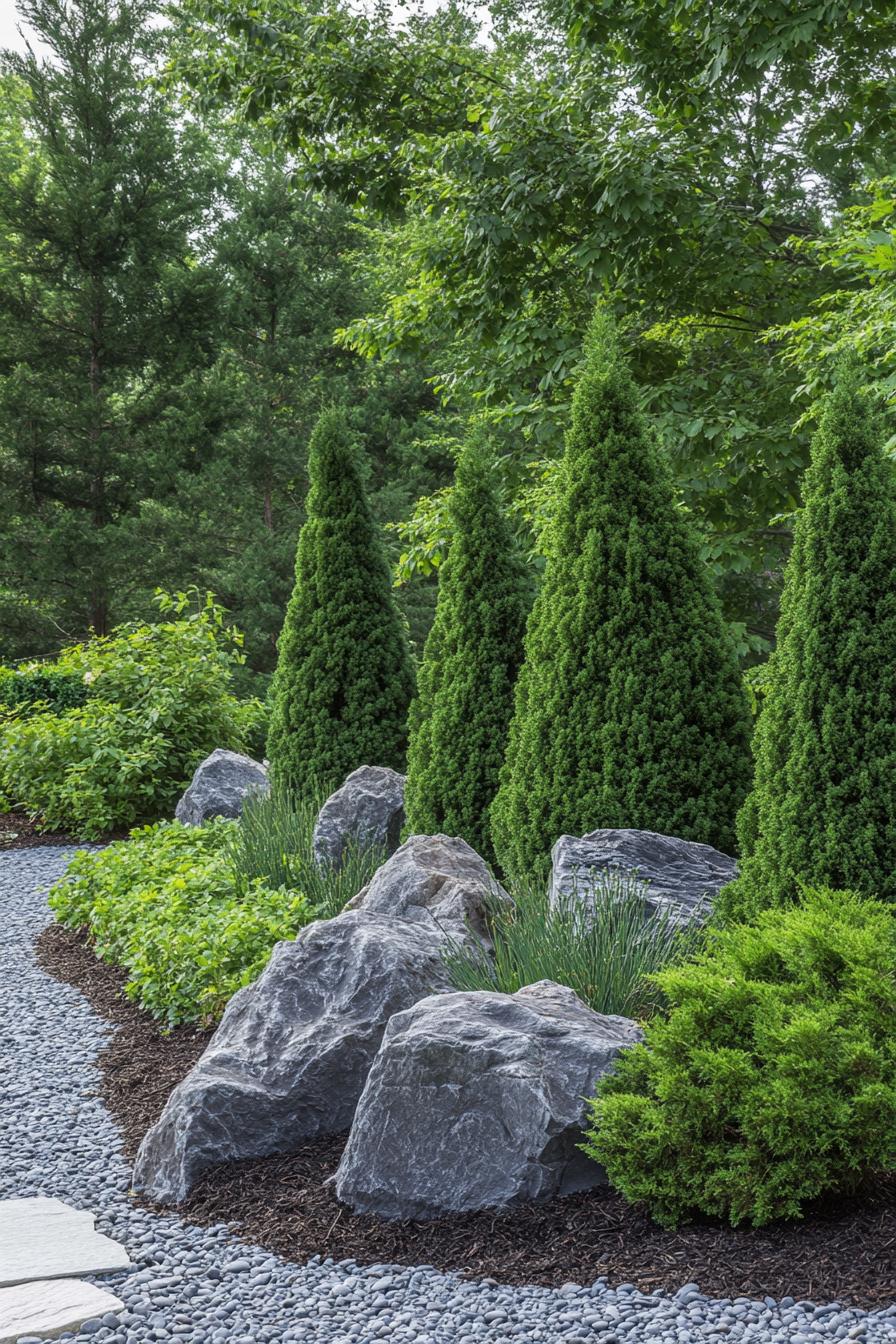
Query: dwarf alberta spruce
column 773, row 1079
column 630, row 711
column 164, row 906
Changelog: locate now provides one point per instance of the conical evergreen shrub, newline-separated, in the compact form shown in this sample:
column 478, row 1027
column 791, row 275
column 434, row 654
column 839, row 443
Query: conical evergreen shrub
column 823, row 808
column 630, row 710
column 344, row 680
column 460, row 718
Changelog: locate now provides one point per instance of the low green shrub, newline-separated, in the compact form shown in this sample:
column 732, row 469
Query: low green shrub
column 160, row 701
column 273, row 845
column 773, row 1079
column 164, row 906
column 607, row 957
column 43, row 686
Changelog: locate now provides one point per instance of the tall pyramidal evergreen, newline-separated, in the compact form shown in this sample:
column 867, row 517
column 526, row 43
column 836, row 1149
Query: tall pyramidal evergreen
column 823, row 809
column 344, row 679
column 472, row 657
column 630, row 710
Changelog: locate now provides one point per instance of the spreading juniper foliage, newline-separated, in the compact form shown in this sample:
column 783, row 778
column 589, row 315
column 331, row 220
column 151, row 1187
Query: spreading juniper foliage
column 629, row 710
column 823, row 809
column 344, row 678
column 460, row 718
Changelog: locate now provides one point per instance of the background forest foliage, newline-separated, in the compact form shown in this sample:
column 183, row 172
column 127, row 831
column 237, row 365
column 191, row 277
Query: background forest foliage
column 215, row 221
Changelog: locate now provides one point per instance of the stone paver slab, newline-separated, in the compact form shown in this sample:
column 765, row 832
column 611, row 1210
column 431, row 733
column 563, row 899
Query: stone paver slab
column 46, row 1239
column 48, row 1308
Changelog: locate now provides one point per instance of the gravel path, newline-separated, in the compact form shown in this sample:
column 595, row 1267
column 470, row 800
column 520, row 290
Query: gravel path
column 202, row 1284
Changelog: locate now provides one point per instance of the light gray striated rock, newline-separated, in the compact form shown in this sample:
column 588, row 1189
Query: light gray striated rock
column 368, row 809
column 438, row 879
column 477, row 1100
column 220, row 786
column 293, row 1050
column 680, row 876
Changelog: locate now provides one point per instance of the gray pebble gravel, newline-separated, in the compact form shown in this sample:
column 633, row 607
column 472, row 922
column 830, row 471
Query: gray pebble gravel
column 204, row 1286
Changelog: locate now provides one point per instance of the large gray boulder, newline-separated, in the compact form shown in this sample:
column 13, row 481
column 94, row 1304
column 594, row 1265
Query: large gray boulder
column 293, row 1050
column 368, row 809
column 220, row 786
column 477, row 1100
column 678, row 876
column 439, row 880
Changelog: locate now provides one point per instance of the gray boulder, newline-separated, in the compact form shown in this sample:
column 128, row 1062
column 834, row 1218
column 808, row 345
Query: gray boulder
column 220, row 786
column 367, row 809
column 439, row 880
column 477, row 1100
column 293, row 1050
column 680, row 876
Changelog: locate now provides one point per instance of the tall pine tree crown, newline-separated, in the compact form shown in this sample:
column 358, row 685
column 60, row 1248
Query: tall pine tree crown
column 629, row 709
column 344, row 678
column 823, row 809
column 460, row 718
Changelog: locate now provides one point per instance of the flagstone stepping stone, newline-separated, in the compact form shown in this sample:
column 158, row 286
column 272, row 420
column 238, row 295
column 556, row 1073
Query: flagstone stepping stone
column 49, row 1309
column 46, row 1239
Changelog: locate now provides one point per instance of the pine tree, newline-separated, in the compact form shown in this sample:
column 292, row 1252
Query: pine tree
column 460, row 718
column 629, row 709
column 823, row 808
column 344, row 678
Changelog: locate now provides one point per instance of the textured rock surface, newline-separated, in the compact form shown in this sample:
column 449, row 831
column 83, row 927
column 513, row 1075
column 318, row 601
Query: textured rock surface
column 437, row 879
column 220, row 786
column 679, row 875
column 368, row 809
column 204, row 1285
column 47, row 1239
column 476, row 1100
column 293, row 1050
column 49, row 1309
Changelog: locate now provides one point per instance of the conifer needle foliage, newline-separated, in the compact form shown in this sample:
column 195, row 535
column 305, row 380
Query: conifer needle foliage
column 344, row 678
column 460, row 718
column 823, row 809
column 629, row 710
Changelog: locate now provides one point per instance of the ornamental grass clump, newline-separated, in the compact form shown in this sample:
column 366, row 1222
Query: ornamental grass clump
column 607, row 949
column 823, row 810
column 344, row 679
column 629, row 710
column 772, row 1081
column 273, row 844
column 459, row 721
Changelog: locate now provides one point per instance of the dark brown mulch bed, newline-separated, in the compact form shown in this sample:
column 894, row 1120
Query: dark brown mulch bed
column 846, row 1250
column 18, row 831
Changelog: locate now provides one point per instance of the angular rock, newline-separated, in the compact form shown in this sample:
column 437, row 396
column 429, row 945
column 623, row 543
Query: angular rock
column 220, row 786
column 368, row 809
column 293, row 1050
column 680, row 876
column 477, row 1100
column 437, row 879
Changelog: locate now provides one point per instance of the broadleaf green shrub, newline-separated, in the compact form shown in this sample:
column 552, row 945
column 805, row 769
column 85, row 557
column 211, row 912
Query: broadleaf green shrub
column 40, row 686
column 164, row 906
column 160, row 702
column 772, row 1080
column 608, row 957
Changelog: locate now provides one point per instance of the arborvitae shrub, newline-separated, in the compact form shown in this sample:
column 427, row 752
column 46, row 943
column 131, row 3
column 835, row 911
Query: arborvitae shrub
column 823, row 809
column 344, row 679
column 773, row 1079
column 630, row 710
column 460, row 718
